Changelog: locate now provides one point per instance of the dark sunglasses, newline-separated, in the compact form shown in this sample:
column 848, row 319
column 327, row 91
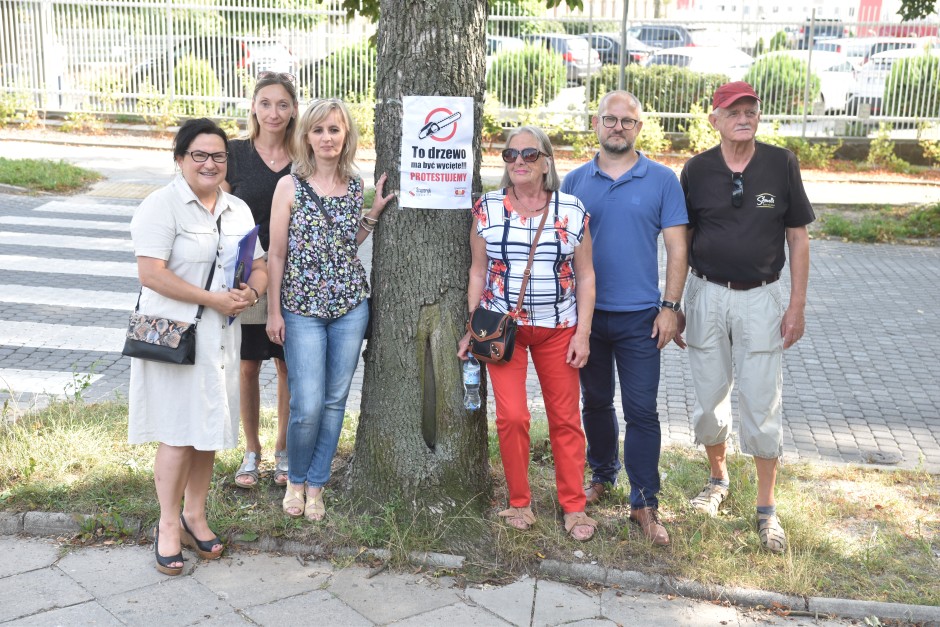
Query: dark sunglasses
column 529, row 155
column 281, row 76
column 737, row 189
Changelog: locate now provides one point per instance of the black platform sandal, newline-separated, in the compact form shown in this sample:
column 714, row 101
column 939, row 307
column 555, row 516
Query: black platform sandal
column 163, row 563
column 203, row 548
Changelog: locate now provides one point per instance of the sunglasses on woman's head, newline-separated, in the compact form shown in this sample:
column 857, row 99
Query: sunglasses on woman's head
column 529, row 155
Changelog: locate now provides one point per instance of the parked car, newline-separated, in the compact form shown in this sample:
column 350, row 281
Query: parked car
column 608, row 47
column 871, row 79
column 836, row 74
column 228, row 56
column 580, row 59
column 860, row 49
column 713, row 59
column 813, row 32
column 496, row 44
column 672, row 35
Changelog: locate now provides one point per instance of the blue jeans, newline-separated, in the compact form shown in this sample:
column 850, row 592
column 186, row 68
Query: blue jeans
column 321, row 354
column 622, row 339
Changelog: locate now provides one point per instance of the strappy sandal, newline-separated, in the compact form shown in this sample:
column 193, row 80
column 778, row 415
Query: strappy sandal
column 293, row 499
column 280, row 468
column 315, row 509
column 203, row 548
column 772, row 536
column 710, row 498
column 573, row 520
column 520, row 518
column 248, row 469
column 163, row 562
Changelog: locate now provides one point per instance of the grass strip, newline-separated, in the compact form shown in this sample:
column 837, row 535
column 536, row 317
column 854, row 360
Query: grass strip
column 884, row 225
column 854, row 532
column 45, row 175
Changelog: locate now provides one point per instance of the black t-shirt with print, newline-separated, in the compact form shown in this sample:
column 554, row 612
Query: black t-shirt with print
column 743, row 243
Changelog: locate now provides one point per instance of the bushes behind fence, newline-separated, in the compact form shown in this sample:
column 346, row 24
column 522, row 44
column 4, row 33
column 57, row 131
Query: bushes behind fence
column 519, row 78
column 662, row 88
column 195, row 77
column 913, row 88
column 348, row 73
column 780, row 81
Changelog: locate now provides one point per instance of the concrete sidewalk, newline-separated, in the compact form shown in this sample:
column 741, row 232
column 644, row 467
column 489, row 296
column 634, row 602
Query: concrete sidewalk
column 43, row 582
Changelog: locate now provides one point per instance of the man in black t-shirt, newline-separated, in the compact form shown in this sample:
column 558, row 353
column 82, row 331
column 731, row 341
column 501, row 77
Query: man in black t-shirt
column 745, row 199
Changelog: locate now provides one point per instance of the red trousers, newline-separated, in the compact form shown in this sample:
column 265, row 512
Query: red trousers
column 561, row 393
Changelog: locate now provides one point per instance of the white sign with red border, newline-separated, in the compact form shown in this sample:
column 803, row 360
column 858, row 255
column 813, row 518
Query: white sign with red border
column 436, row 152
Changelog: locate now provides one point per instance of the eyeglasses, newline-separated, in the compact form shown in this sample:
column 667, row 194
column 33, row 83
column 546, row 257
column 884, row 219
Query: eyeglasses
column 610, row 121
column 200, row 156
column 529, row 155
column 737, row 189
column 281, row 76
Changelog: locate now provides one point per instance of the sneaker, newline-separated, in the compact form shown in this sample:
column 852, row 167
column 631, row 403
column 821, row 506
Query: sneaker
column 710, row 498
column 771, row 533
column 648, row 520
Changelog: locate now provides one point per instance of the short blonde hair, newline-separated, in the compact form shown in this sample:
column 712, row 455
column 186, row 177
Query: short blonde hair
column 550, row 181
column 305, row 164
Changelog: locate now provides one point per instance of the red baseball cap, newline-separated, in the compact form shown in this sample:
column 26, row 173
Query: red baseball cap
column 729, row 93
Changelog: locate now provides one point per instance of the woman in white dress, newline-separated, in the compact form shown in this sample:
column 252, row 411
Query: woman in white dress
column 180, row 233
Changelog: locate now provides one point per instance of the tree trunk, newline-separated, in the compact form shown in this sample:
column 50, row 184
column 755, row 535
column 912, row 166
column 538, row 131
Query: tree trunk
column 415, row 440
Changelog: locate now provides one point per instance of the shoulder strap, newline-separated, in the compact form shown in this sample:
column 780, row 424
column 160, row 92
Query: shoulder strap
column 316, row 199
column 528, row 265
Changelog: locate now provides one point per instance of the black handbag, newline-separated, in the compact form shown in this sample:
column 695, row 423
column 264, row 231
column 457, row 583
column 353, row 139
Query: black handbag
column 161, row 339
column 493, row 334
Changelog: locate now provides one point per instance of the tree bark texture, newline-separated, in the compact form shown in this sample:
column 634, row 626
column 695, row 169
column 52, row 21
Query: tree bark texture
column 415, row 440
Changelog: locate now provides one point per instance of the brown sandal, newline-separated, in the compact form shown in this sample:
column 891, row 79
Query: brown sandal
column 573, row 520
column 709, row 499
column 293, row 499
column 520, row 518
column 772, row 536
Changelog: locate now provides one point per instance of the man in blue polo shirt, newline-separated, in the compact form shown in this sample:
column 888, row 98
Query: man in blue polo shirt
column 631, row 201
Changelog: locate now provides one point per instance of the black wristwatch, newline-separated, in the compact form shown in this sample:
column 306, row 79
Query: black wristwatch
column 668, row 304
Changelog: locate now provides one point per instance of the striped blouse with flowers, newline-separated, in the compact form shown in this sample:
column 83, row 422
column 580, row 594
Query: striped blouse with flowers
column 550, row 295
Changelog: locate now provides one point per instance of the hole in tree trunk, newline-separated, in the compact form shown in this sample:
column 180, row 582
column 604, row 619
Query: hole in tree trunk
column 429, row 398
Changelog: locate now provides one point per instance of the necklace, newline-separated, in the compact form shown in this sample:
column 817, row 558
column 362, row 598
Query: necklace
column 521, row 204
column 271, row 161
column 319, row 190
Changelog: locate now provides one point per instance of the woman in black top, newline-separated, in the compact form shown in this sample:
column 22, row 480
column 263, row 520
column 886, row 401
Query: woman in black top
column 255, row 166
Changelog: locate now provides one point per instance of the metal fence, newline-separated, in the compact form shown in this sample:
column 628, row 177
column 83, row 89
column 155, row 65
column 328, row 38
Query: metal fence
column 200, row 57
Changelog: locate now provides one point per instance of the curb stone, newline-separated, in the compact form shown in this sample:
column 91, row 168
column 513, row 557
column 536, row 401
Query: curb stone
column 586, row 573
column 58, row 524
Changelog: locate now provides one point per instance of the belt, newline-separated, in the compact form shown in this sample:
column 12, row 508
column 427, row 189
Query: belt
column 736, row 285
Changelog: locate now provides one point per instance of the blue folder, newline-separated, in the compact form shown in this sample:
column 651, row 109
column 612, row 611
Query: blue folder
column 244, row 259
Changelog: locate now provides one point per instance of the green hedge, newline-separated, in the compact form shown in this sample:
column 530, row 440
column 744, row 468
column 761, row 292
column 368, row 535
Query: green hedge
column 663, row 88
column 195, row 77
column 913, row 88
column 781, row 82
column 520, row 78
column 348, row 73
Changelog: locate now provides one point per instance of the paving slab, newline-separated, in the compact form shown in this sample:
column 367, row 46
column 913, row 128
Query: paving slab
column 415, row 594
column 245, row 579
column 36, row 591
column 512, row 603
column 90, row 613
column 24, row 555
column 621, row 606
column 174, row 601
column 460, row 614
column 557, row 604
column 313, row 608
column 103, row 571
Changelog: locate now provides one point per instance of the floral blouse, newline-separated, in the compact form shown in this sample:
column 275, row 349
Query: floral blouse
column 323, row 276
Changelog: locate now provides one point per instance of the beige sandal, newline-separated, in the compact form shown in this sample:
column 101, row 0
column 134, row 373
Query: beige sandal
column 772, row 536
column 573, row 520
column 315, row 510
column 710, row 499
column 520, row 518
column 293, row 499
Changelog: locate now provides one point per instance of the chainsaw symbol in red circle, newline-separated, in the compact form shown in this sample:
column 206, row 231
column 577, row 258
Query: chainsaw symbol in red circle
column 432, row 127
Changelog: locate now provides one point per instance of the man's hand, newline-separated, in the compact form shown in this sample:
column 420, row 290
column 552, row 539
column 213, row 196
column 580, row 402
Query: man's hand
column 578, row 350
column 664, row 327
column 680, row 328
column 792, row 326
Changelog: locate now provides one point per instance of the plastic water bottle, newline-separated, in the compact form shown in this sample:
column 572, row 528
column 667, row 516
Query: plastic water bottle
column 471, row 384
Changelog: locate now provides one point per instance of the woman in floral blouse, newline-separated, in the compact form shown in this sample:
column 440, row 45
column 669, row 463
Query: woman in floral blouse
column 317, row 292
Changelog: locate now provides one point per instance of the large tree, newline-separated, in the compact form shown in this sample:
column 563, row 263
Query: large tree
column 415, row 440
